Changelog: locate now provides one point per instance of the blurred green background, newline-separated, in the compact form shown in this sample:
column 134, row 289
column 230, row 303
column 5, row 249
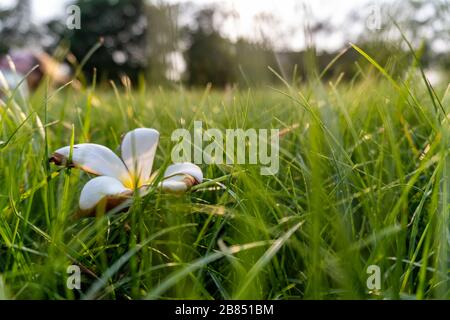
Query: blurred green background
column 228, row 43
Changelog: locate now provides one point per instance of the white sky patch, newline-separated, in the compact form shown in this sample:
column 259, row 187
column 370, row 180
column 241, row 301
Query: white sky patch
column 43, row 10
column 51, row 9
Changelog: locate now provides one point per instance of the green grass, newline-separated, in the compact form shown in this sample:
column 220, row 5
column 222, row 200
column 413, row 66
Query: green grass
column 363, row 181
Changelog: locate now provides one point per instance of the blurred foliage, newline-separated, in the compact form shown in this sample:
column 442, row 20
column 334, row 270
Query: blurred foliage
column 16, row 29
column 151, row 38
column 212, row 58
column 121, row 26
column 162, row 40
column 426, row 24
column 209, row 57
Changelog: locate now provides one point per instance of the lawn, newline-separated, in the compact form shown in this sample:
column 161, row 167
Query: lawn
column 363, row 181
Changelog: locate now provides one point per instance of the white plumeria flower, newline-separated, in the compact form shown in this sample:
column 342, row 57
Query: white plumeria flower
column 120, row 177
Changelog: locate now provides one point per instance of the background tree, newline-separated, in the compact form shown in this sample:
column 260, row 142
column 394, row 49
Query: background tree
column 122, row 25
column 163, row 39
column 16, row 28
column 426, row 24
column 210, row 58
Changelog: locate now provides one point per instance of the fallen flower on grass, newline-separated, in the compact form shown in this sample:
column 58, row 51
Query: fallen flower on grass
column 120, row 178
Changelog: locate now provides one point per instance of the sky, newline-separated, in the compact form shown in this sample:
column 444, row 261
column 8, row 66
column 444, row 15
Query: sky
column 290, row 14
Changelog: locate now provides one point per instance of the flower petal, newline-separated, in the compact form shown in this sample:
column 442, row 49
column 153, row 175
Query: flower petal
column 184, row 168
column 172, row 185
column 138, row 152
column 104, row 188
column 95, row 159
column 179, row 177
